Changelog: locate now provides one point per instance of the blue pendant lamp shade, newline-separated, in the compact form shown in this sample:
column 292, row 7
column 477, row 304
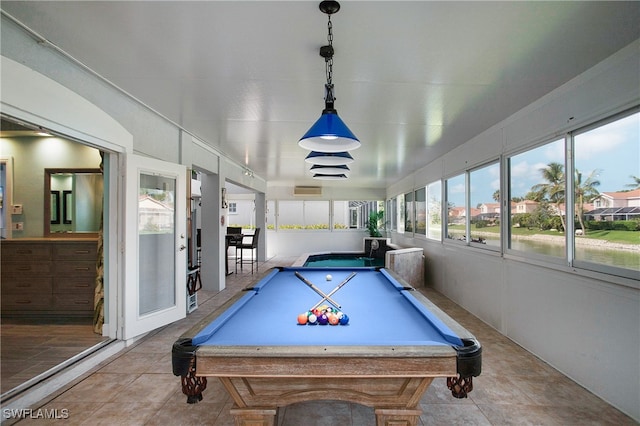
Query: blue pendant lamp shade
column 329, row 134
column 331, row 170
column 329, row 158
column 321, row 176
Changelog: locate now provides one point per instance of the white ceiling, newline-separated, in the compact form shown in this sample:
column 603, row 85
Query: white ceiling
column 413, row 79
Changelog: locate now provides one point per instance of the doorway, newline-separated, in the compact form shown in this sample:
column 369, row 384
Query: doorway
column 37, row 338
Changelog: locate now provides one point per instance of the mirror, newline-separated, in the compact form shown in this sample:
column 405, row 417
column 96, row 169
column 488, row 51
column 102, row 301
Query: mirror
column 72, row 202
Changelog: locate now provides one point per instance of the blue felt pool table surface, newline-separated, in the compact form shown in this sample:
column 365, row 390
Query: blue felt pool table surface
column 381, row 311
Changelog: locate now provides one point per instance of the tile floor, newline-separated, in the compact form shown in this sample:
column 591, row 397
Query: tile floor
column 137, row 387
column 31, row 346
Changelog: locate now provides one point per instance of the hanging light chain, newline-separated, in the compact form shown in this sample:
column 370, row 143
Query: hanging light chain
column 329, row 58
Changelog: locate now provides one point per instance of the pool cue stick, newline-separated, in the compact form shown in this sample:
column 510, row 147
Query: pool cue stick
column 316, row 289
column 353, row 274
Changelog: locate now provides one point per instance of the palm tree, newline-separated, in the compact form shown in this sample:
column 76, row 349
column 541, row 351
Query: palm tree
column 635, row 184
column 553, row 189
column 585, row 192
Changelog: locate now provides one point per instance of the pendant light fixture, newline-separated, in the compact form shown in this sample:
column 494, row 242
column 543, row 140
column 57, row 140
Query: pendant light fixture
column 329, row 134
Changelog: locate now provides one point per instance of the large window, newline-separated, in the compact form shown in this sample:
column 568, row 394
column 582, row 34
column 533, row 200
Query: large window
column 434, row 211
column 484, row 209
column 297, row 215
column 456, row 207
column 315, row 214
column 357, row 214
column 537, row 214
column 606, row 193
column 585, row 211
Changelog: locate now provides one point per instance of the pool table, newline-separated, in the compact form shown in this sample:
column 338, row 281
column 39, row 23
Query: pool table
column 394, row 344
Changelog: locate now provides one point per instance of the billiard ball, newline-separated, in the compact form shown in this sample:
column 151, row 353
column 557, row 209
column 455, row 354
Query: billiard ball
column 329, row 277
column 333, row 319
column 312, row 319
column 344, row 320
column 303, row 318
column 322, row 319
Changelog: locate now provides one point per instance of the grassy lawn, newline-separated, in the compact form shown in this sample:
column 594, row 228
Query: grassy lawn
column 623, row 237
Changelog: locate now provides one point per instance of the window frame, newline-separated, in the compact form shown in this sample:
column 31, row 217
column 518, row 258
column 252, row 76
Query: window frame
column 439, row 210
column 570, row 190
column 445, row 207
column 507, row 250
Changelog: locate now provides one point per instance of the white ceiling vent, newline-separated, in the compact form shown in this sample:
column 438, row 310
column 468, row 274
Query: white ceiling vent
column 307, row 190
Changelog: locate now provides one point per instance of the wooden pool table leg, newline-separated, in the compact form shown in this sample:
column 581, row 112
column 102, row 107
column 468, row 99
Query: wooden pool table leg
column 397, row 417
column 255, row 416
column 193, row 385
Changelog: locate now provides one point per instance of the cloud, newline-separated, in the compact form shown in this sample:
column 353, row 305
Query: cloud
column 608, row 138
column 524, row 175
column 457, row 189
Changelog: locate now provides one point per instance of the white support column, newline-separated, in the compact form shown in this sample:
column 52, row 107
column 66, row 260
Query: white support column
column 212, row 269
column 261, row 222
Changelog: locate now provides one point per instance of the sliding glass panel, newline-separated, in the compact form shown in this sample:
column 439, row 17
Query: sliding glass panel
column 485, row 205
column 316, row 214
column 401, row 212
column 456, row 208
column 434, row 211
column 290, row 214
column 409, row 209
column 421, row 211
column 607, row 194
column 536, row 187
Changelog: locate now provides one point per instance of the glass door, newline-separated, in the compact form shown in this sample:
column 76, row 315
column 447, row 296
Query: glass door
column 155, row 255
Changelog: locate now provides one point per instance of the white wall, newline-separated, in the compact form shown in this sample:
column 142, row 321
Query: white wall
column 584, row 324
column 294, row 243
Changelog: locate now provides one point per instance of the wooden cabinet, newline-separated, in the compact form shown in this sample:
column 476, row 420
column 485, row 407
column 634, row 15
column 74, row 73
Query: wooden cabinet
column 48, row 277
